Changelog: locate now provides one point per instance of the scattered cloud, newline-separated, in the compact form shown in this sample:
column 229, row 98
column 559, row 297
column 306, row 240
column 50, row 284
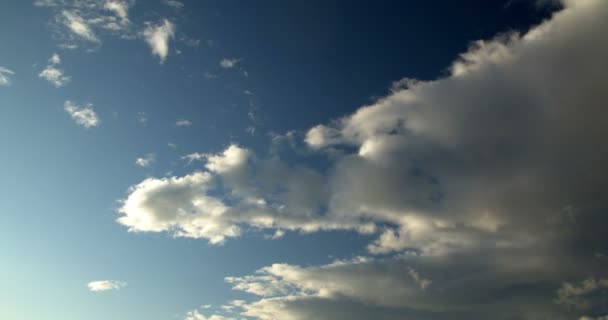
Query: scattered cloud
column 106, row 285
column 142, row 117
column 146, row 160
column 183, row 123
column 158, row 37
column 53, row 74
column 78, row 26
column 83, row 115
column 5, row 76
column 174, row 4
column 228, row 63
column 81, row 23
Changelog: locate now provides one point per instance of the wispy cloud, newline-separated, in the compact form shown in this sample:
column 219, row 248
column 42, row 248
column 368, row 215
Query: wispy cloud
column 78, row 26
column 80, row 23
column 106, row 285
column 158, row 37
column 5, row 76
column 228, row 63
column 83, row 115
column 146, row 160
column 174, row 4
column 183, row 123
column 53, row 74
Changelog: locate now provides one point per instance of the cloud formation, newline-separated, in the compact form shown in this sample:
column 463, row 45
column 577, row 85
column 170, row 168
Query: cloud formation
column 53, row 74
column 83, row 115
column 183, row 123
column 158, row 36
column 146, row 160
column 5, row 76
column 228, row 63
column 485, row 188
column 106, row 285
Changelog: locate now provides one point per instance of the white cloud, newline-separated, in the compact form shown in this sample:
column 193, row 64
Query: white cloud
column 196, row 156
column 83, row 115
column 5, row 74
column 55, row 59
column 228, row 63
column 174, row 4
column 158, row 37
column 78, row 26
column 196, row 315
column 82, row 23
column 120, row 8
column 183, row 123
column 105, row 285
column 178, row 204
column 146, row 160
column 53, row 74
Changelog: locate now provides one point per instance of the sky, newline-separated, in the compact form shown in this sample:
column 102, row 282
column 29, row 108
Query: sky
column 297, row 160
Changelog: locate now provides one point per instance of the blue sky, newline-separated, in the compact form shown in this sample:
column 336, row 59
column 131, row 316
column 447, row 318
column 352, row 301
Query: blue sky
column 221, row 160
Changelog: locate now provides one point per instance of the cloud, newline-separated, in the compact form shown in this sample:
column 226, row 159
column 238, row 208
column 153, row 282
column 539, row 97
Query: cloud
column 227, row 63
column 583, row 295
column 53, row 74
column 120, row 8
column 83, row 115
column 196, row 315
column 146, row 160
column 484, row 190
column 105, row 285
column 179, row 205
column 187, row 207
column 158, row 37
column 183, row 123
column 5, row 75
column 80, row 23
column 174, row 4
column 79, row 26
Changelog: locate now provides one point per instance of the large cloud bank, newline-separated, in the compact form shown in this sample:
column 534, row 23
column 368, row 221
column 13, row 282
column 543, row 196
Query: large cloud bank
column 487, row 190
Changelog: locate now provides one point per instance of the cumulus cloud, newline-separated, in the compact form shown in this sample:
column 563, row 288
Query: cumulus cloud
column 53, row 74
column 83, row 115
column 158, row 37
column 186, row 206
column 5, row 76
column 105, row 285
column 485, row 189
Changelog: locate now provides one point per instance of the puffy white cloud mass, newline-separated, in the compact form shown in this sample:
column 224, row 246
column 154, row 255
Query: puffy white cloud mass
column 158, row 37
column 105, row 285
column 486, row 189
column 83, row 115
